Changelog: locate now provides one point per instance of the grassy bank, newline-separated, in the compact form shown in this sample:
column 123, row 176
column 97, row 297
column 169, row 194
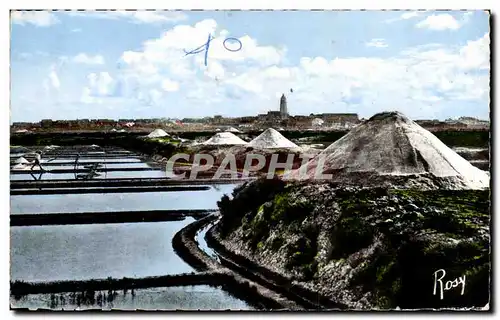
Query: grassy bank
column 367, row 248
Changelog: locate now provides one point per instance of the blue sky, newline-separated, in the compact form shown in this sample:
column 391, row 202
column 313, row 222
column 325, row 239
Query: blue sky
column 70, row 65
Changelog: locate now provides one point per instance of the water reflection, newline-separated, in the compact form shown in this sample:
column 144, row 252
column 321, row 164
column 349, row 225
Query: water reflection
column 86, row 160
column 82, row 252
column 105, row 175
column 171, row 298
column 53, row 203
column 202, row 243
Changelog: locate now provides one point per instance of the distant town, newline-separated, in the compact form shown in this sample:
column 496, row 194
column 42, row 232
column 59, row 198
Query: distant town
column 277, row 119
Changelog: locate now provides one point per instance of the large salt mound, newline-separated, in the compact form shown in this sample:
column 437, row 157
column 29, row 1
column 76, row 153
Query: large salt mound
column 391, row 150
column 22, row 160
column 224, row 138
column 23, row 166
column 232, row 129
column 158, row 133
column 272, row 139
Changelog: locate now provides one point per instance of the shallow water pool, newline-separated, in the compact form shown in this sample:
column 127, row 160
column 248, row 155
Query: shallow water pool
column 95, row 251
column 53, row 203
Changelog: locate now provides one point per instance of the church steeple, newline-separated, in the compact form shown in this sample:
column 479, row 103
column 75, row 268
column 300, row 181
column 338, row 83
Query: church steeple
column 283, row 107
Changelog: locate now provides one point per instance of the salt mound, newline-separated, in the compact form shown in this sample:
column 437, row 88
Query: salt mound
column 157, row 133
column 391, row 150
column 22, row 160
column 224, row 138
column 21, row 166
column 231, row 129
column 272, row 139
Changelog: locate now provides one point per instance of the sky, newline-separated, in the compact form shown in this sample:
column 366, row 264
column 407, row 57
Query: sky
column 133, row 64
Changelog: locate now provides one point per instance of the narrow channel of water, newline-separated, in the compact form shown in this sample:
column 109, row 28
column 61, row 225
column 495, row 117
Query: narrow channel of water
column 200, row 297
column 48, row 166
column 95, row 251
column 86, row 160
column 104, row 175
column 202, row 243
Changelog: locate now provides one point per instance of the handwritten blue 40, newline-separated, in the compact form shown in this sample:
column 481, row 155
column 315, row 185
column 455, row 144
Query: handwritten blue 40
column 206, row 46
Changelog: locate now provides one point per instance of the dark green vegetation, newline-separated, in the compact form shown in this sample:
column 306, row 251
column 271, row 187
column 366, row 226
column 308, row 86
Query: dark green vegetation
column 165, row 140
column 70, row 138
column 245, row 204
column 480, row 138
column 387, row 243
column 136, row 142
column 477, row 138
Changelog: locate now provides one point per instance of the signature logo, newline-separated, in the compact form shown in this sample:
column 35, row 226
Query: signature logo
column 440, row 287
column 234, row 47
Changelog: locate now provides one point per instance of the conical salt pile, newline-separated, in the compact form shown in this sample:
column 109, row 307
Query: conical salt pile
column 225, row 138
column 231, row 129
column 272, row 139
column 158, row 133
column 22, row 160
column 391, row 150
column 21, row 166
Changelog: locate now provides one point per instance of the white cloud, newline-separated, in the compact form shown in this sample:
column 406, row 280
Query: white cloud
column 278, row 73
column 377, row 43
column 25, row 55
column 138, row 16
column 439, row 22
column 88, row 98
column 37, row 18
column 100, row 84
column 405, row 16
column 419, row 81
column 169, row 85
column 166, row 55
column 215, row 70
column 172, row 46
column 31, row 55
column 54, row 79
column 51, row 84
column 76, row 30
column 476, row 54
column 155, row 95
column 409, row 15
column 88, row 59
